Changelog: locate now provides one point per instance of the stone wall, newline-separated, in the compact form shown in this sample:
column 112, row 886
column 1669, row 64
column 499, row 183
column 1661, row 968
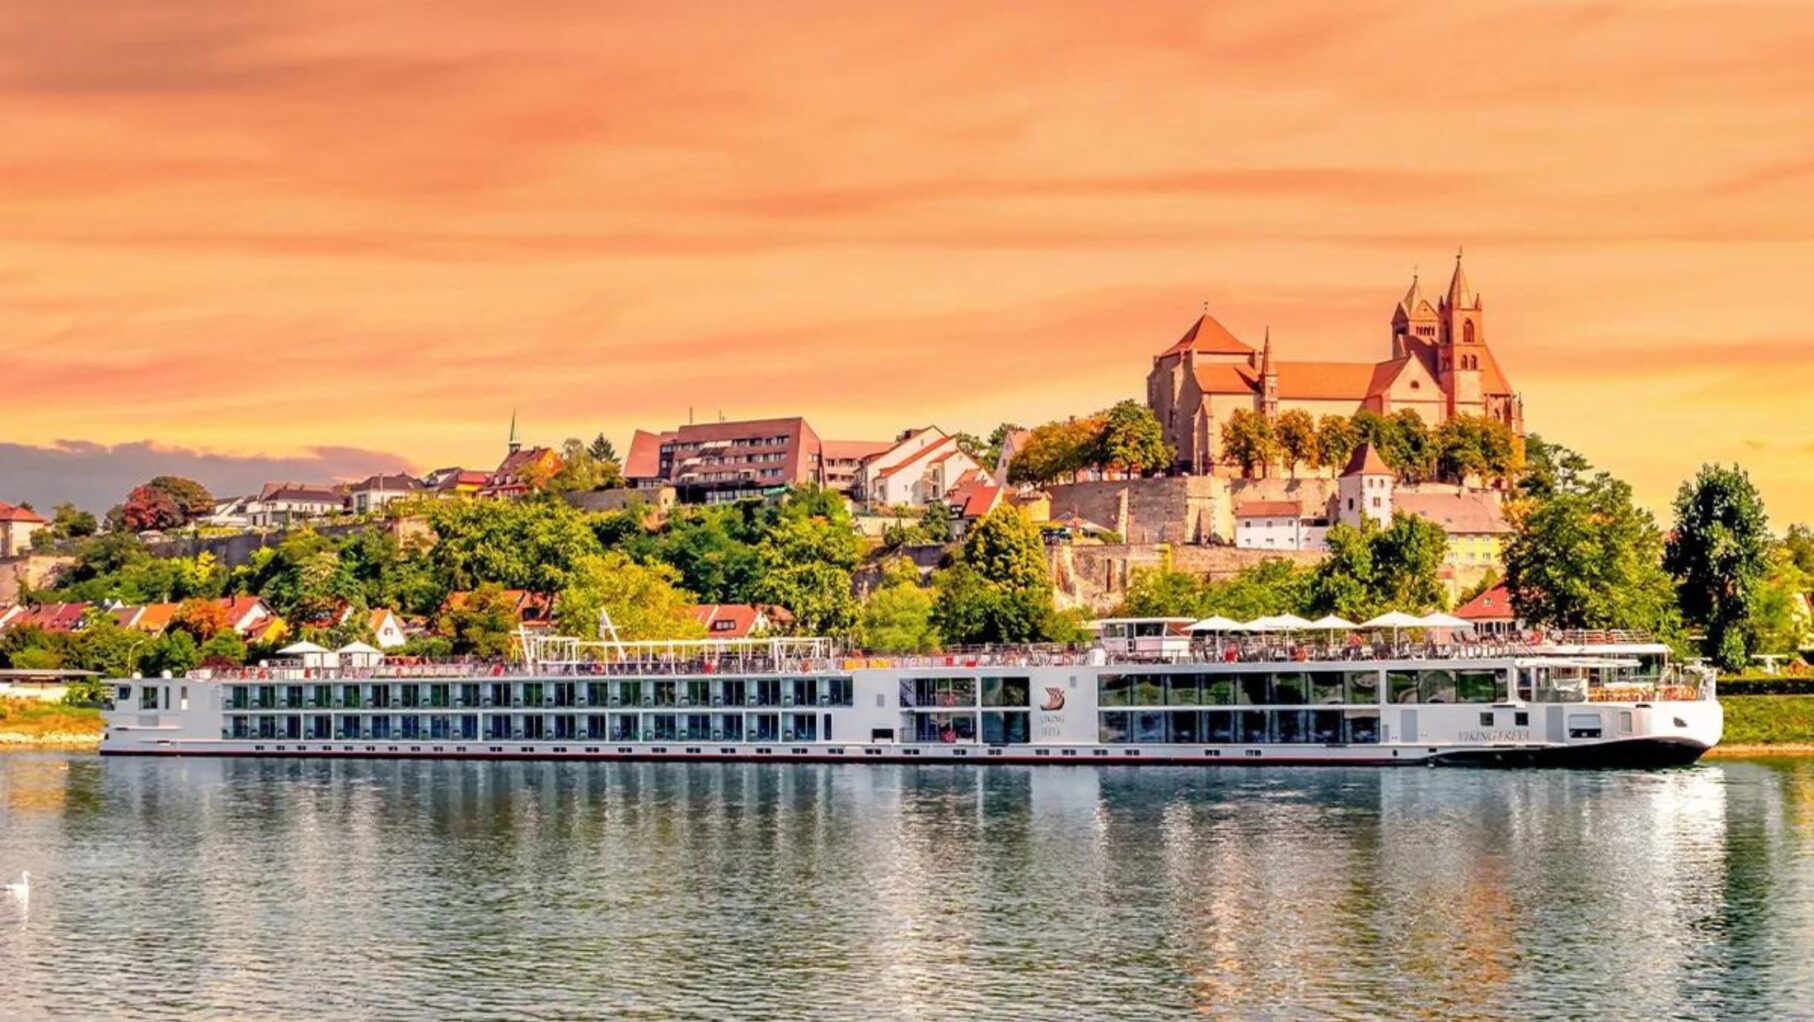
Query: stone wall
column 1171, row 509
column 1096, row 577
column 34, row 571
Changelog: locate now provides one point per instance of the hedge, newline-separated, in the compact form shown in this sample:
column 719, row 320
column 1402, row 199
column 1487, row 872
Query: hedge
column 1766, row 685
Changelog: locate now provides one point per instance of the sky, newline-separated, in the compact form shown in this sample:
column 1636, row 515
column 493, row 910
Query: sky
column 331, row 236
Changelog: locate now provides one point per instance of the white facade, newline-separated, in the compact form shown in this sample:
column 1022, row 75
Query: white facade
column 918, row 470
column 1364, row 496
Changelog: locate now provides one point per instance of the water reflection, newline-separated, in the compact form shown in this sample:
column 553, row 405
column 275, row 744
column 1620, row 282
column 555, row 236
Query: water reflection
column 228, row 889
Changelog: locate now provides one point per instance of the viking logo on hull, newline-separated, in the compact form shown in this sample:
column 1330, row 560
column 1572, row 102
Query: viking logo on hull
column 1054, row 700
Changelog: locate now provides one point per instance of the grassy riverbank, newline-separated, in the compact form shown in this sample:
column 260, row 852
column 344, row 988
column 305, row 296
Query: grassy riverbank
column 1763, row 725
column 30, row 722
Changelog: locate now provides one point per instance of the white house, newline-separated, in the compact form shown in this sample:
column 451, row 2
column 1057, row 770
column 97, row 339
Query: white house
column 1279, row 525
column 1364, row 490
column 374, row 493
column 281, row 504
column 388, row 629
column 17, row 526
column 921, row 467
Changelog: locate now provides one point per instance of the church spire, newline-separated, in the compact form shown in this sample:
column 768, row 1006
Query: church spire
column 1460, row 295
column 515, row 446
column 1266, row 353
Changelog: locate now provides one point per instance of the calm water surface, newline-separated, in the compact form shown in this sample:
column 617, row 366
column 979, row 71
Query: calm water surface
column 291, row 890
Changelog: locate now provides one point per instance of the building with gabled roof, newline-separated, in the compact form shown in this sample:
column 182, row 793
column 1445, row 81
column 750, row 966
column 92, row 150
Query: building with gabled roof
column 920, row 467
column 1439, row 367
column 17, row 527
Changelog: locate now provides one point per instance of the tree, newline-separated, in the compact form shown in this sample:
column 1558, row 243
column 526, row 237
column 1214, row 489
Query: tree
column 898, row 619
column 224, row 649
column 1408, row 446
column 644, row 600
column 1000, row 589
column 481, row 623
column 1336, row 440
column 1370, row 569
column 807, row 552
column 528, row 544
column 71, row 522
column 1131, row 440
column 998, row 439
column 935, row 521
column 602, row 449
column 1472, row 445
column 102, row 645
column 1778, row 623
column 1798, row 546
column 203, row 619
column 1296, row 434
column 1718, row 554
column 713, row 559
column 148, row 508
column 174, row 651
column 1055, row 450
column 1582, row 554
column 191, row 497
column 1248, row 441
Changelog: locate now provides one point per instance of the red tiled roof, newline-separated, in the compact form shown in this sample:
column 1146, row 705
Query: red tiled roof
column 1493, row 605
column 1224, row 378
column 1269, row 509
column 1366, row 462
column 726, row 620
column 14, row 513
column 1210, row 338
column 644, row 459
column 1344, row 381
column 975, row 499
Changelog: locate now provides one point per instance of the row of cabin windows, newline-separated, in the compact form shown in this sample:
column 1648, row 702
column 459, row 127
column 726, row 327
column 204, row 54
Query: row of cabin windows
column 443, row 695
column 755, row 727
column 1242, row 727
column 1301, row 688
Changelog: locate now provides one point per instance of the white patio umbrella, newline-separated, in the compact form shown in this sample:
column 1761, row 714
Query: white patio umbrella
column 1218, row 623
column 1441, row 620
column 1331, row 623
column 300, row 648
column 1394, row 619
column 1283, row 623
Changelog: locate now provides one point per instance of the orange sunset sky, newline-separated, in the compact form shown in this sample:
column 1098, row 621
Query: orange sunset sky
column 296, row 236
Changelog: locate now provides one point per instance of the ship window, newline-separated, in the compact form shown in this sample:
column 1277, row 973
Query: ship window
column 1185, row 726
column 1112, row 727
column 1521, row 719
column 1362, row 726
column 1114, row 690
column 1479, row 686
column 1184, row 690
column 1326, row 726
column 1436, row 686
column 1006, row 728
column 1253, row 689
column 1253, row 726
column 1219, row 726
column 1290, row 688
column 1290, row 725
column 1149, row 726
column 1486, row 719
column 1007, row 691
column 1401, row 686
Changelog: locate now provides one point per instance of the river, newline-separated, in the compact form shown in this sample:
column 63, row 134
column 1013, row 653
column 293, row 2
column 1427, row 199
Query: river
column 236, row 889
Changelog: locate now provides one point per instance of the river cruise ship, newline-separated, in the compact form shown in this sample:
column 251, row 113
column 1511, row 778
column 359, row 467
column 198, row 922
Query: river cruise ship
column 1144, row 693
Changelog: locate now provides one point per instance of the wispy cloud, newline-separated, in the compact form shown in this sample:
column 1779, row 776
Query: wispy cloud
column 97, row 476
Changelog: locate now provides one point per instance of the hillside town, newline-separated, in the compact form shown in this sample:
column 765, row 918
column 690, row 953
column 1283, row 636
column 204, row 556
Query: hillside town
column 1240, row 462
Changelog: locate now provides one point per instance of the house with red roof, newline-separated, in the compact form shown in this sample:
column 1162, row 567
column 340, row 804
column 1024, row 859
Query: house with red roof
column 739, row 620
column 920, row 467
column 51, row 617
column 532, row 610
column 17, row 527
column 1491, row 612
column 1439, row 366
column 975, row 495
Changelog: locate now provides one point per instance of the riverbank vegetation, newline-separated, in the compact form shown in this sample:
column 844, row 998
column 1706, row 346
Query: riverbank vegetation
column 36, row 722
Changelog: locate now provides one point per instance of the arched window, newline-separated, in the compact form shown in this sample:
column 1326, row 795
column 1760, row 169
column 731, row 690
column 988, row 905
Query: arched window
column 1467, row 332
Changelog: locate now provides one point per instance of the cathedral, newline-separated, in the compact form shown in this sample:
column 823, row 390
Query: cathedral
column 1440, row 367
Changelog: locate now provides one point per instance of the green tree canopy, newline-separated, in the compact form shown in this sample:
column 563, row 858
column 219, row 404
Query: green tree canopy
column 1582, row 553
column 1248, row 440
column 1336, row 441
column 1719, row 553
column 644, row 600
column 1131, row 440
column 1296, row 433
column 999, row 590
column 1370, row 570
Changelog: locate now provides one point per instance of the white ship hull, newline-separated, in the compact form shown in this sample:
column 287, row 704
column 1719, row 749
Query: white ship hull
column 1248, row 714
